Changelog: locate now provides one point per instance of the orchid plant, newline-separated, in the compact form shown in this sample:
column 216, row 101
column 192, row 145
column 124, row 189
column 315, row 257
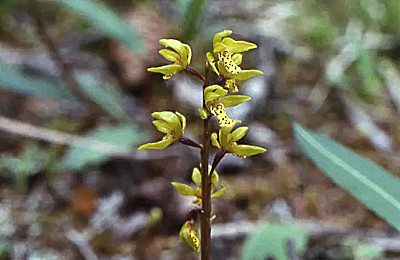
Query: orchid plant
column 224, row 60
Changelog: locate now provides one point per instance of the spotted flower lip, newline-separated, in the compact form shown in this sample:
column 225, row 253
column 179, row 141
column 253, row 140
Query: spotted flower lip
column 179, row 53
column 216, row 101
column 226, row 58
column 170, row 123
column 226, row 140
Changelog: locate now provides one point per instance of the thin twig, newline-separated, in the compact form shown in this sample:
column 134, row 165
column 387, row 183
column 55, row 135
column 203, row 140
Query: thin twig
column 16, row 127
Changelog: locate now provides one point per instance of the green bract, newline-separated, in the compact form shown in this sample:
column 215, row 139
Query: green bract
column 180, row 55
column 226, row 58
column 170, row 123
column 226, row 140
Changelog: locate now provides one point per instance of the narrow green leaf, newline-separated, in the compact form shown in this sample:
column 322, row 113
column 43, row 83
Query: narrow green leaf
column 184, row 189
column 15, row 80
column 106, row 21
column 270, row 240
column 368, row 182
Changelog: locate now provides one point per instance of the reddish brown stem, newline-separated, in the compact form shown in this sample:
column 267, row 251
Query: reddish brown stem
column 196, row 74
column 190, row 142
column 217, row 158
column 205, row 225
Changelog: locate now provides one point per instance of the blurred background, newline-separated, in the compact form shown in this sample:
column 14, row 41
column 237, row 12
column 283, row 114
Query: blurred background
column 75, row 102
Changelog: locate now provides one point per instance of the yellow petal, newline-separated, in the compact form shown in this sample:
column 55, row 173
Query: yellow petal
column 218, row 36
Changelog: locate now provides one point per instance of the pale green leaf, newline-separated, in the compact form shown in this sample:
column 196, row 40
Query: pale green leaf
column 368, row 182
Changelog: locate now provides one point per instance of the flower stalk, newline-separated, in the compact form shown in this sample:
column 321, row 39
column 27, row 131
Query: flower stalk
column 205, row 217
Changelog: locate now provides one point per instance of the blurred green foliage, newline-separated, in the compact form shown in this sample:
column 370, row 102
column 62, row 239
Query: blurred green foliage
column 271, row 240
column 333, row 28
column 190, row 14
column 106, row 21
column 30, row 162
column 123, row 136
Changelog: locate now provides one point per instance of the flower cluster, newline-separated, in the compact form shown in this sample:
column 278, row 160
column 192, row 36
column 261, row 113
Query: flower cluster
column 224, row 60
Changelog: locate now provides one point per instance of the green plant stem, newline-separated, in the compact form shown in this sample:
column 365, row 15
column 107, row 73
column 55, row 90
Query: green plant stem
column 205, row 225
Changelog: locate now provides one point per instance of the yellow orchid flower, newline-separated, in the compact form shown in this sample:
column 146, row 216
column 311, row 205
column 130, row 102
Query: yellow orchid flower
column 181, row 55
column 226, row 140
column 170, row 123
column 226, row 58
